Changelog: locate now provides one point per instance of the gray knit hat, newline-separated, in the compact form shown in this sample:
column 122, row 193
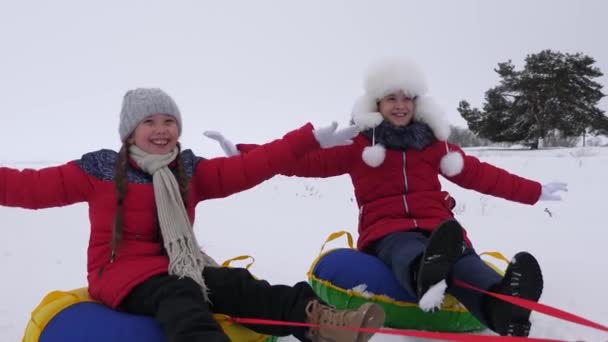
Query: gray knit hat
column 142, row 102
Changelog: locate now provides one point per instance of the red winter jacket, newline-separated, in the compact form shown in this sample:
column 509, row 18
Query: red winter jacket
column 139, row 256
column 404, row 192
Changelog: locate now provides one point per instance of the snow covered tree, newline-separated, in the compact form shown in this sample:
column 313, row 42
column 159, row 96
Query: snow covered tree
column 554, row 91
column 463, row 137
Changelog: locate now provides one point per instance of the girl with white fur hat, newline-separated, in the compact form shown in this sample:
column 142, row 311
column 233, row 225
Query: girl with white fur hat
column 405, row 218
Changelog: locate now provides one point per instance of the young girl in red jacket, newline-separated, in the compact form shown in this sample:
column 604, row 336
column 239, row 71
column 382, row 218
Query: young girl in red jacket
column 143, row 256
column 405, row 218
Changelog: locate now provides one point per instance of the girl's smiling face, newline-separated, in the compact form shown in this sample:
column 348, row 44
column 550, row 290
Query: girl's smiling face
column 397, row 108
column 156, row 134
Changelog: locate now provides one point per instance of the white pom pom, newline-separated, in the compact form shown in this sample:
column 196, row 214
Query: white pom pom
column 451, row 164
column 367, row 120
column 374, row 155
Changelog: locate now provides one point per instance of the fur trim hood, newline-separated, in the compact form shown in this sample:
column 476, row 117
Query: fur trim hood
column 386, row 77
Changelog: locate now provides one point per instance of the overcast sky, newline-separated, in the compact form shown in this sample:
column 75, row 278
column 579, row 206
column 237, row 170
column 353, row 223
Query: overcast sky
column 254, row 69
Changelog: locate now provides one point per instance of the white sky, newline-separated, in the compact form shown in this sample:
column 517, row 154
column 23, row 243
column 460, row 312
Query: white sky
column 254, row 69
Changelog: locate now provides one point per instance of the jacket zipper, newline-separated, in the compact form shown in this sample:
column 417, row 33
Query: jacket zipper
column 406, row 186
column 361, row 210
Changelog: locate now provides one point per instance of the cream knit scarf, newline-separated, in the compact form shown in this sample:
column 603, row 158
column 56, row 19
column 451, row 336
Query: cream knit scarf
column 185, row 257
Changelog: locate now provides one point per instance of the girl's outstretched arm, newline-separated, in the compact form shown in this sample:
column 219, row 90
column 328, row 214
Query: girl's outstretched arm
column 44, row 188
column 320, row 163
column 491, row 180
column 221, row 177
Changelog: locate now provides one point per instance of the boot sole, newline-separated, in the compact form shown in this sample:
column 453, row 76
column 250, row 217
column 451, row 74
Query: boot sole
column 527, row 283
column 373, row 319
column 445, row 246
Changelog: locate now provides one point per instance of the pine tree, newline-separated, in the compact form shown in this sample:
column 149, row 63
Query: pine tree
column 554, row 91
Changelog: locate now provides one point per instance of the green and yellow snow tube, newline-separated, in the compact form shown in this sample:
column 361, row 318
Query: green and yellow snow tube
column 347, row 278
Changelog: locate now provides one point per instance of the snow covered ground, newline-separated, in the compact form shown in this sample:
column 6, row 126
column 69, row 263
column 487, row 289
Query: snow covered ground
column 283, row 223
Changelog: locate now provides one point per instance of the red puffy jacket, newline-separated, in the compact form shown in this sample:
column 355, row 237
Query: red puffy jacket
column 404, row 192
column 139, row 256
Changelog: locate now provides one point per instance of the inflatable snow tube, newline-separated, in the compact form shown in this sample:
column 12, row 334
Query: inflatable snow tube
column 73, row 316
column 347, row 278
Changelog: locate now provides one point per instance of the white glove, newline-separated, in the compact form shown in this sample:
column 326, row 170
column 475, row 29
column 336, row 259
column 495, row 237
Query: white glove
column 549, row 190
column 226, row 145
column 330, row 137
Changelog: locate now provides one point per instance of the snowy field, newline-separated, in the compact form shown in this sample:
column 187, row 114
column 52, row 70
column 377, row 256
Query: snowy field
column 283, row 223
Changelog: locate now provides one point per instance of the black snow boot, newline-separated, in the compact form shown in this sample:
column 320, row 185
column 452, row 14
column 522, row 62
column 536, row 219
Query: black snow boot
column 523, row 279
column 444, row 247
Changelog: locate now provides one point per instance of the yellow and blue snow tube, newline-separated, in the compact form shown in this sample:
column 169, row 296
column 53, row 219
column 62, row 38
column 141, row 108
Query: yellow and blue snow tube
column 73, row 316
column 347, row 278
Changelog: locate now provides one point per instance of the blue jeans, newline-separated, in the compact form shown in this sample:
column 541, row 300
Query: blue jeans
column 401, row 252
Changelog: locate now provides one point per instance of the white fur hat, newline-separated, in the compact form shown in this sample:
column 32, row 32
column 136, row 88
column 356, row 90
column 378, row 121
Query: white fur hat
column 400, row 74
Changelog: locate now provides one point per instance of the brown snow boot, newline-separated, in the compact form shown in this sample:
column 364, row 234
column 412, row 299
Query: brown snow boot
column 334, row 323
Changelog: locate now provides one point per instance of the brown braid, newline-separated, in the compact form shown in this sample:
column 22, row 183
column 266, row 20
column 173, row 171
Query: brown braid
column 120, row 182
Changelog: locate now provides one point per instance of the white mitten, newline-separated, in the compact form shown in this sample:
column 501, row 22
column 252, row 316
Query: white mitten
column 330, row 136
column 549, row 191
column 226, row 145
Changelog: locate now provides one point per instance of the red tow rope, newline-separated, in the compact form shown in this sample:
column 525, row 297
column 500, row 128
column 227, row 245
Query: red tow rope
column 538, row 307
column 464, row 337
